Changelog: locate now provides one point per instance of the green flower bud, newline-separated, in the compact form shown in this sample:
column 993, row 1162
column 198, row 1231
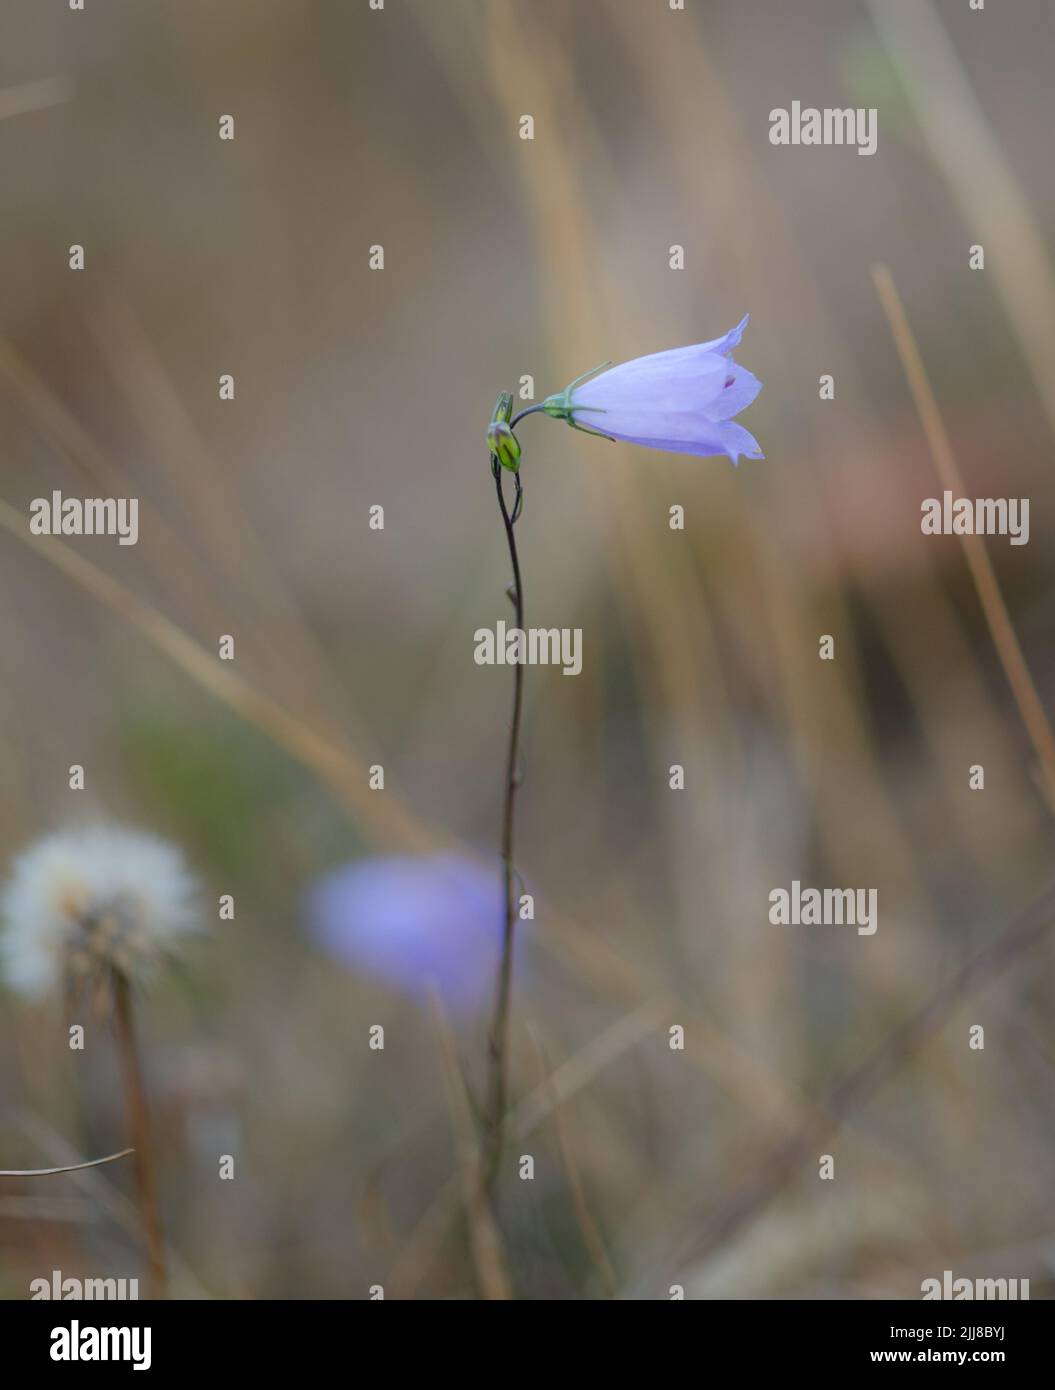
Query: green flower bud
column 502, row 442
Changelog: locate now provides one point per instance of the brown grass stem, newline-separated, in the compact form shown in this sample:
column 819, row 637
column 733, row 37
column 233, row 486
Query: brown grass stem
column 138, row 1117
column 1005, row 639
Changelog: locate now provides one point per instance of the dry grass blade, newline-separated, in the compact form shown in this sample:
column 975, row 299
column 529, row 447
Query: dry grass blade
column 591, row 1234
column 34, row 96
column 66, row 1168
column 484, row 1239
column 1034, row 716
column 335, row 767
column 982, row 180
column 859, row 1085
column 97, row 1184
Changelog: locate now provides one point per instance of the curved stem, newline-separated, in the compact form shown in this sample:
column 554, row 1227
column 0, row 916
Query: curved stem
column 531, row 410
column 67, row 1168
column 498, row 1047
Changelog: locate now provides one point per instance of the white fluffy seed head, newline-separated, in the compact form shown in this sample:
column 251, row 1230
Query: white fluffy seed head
column 82, row 903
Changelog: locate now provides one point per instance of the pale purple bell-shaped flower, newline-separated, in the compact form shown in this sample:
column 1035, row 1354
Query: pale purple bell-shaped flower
column 683, row 400
column 416, row 923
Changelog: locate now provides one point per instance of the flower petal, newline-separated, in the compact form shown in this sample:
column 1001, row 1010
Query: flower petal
column 673, row 380
column 682, row 399
column 740, row 389
column 730, row 340
column 706, row 439
column 416, row 923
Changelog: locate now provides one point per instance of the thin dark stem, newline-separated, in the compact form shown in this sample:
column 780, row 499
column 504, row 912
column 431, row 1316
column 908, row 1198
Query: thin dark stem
column 531, row 410
column 139, row 1123
column 498, row 1045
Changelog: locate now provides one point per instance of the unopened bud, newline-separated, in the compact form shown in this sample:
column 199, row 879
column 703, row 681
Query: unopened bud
column 500, row 438
column 502, row 442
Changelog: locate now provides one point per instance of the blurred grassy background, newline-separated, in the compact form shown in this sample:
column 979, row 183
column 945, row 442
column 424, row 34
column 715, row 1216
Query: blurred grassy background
column 505, row 257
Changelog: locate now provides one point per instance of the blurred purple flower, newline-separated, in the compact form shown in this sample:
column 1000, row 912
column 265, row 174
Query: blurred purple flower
column 415, row 923
column 682, row 400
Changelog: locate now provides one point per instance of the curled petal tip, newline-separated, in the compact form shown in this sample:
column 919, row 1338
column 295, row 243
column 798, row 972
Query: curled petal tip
column 682, row 400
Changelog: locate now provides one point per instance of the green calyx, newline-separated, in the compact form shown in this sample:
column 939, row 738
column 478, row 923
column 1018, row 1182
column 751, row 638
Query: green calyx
column 501, row 440
column 560, row 406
